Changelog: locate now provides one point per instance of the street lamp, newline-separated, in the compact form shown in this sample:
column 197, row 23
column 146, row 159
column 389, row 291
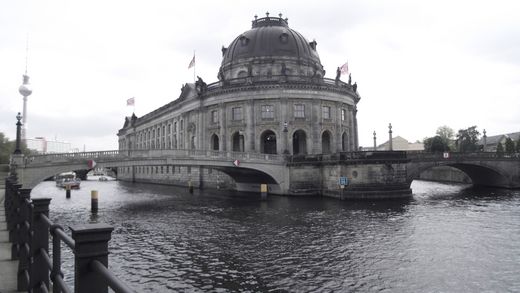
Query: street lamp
column 17, row 150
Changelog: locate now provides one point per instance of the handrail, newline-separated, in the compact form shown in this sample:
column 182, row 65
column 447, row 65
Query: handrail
column 29, row 228
column 113, row 282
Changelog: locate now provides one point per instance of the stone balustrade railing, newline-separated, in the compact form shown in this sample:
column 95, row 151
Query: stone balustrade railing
column 150, row 154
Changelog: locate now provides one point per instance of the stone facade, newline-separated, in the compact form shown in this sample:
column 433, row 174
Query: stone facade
column 271, row 98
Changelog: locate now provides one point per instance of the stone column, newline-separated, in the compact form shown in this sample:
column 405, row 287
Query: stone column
column 222, row 122
column 339, row 127
column 315, row 126
column 352, row 141
column 201, row 130
column 284, row 124
column 249, row 136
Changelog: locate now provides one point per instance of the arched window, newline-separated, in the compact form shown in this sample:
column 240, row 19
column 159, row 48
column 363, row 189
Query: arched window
column 214, row 142
column 325, row 142
column 237, row 142
column 344, row 142
column 299, row 142
column 268, row 142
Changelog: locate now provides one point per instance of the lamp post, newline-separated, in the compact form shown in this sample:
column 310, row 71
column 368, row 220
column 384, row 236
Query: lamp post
column 17, row 150
column 390, row 147
column 375, row 144
column 485, row 140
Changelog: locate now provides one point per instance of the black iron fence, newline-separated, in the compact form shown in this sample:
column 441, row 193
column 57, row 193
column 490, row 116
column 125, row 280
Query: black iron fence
column 29, row 229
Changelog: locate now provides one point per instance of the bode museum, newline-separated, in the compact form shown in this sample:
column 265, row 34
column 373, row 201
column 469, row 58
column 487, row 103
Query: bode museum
column 271, row 97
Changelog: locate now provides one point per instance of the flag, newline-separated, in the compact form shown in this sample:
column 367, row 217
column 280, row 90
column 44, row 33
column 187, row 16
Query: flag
column 130, row 102
column 192, row 62
column 344, row 68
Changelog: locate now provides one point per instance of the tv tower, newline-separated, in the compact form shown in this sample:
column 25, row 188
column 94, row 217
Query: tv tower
column 25, row 90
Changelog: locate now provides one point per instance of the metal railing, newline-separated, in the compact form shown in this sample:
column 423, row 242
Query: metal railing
column 29, row 225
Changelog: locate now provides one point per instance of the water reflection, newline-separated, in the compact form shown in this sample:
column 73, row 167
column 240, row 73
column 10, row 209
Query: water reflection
column 447, row 238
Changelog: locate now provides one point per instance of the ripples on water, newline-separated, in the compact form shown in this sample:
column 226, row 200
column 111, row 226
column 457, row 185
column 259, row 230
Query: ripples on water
column 447, row 238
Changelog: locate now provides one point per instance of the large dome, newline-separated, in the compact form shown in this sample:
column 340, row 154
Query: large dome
column 270, row 41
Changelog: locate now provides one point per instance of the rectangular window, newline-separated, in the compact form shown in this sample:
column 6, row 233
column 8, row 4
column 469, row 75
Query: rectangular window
column 189, row 169
column 236, row 113
column 343, row 114
column 325, row 111
column 214, row 116
column 182, row 125
column 299, row 111
column 267, row 111
column 175, row 126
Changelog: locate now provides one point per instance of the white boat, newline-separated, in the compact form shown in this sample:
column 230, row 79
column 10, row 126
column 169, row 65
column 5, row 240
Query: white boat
column 67, row 179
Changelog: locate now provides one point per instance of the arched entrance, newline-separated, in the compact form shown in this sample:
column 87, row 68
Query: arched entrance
column 299, row 142
column 237, row 142
column 268, row 142
column 325, row 142
column 344, row 142
column 214, row 142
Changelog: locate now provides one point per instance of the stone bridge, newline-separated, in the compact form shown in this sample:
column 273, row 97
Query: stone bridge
column 378, row 174
column 485, row 169
column 252, row 168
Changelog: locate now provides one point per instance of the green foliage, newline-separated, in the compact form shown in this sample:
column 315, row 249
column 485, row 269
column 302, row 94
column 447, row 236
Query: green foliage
column 467, row 139
column 518, row 145
column 435, row 144
column 500, row 148
column 510, row 146
column 6, row 149
column 447, row 135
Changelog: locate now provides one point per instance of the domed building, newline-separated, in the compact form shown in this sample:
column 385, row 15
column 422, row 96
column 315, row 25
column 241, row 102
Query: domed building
column 271, row 97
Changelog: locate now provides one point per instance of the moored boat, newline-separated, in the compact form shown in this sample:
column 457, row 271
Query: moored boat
column 67, row 179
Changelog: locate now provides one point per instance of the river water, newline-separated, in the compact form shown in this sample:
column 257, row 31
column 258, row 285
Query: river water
column 448, row 238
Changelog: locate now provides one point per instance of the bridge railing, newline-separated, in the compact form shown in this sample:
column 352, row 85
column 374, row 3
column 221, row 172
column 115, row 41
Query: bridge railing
column 423, row 156
column 29, row 225
column 154, row 153
column 349, row 156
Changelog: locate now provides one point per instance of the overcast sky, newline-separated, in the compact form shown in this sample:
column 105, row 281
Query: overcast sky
column 418, row 64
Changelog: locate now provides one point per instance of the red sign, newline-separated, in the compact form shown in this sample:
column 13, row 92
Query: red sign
column 236, row 163
column 91, row 164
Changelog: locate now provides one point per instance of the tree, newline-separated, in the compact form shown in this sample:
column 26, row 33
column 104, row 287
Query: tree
column 510, row 146
column 518, row 145
column 500, row 148
column 435, row 144
column 447, row 134
column 467, row 139
column 7, row 148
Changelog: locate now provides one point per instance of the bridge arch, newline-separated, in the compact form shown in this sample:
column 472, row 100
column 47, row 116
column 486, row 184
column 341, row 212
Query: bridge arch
column 480, row 173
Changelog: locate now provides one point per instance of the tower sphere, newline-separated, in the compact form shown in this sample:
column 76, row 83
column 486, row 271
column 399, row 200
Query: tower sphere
column 25, row 89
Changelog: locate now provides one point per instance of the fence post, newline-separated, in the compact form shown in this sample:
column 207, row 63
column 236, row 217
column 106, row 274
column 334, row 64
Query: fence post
column 91, row 243
column 14, row 216
column 24, row 238
column 39, row 270
column 15, row 221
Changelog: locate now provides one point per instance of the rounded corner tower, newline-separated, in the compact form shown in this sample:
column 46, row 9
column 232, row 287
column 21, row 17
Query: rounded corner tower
column 271, row 97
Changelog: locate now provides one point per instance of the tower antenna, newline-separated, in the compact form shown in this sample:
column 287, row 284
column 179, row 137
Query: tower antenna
column 26, row 52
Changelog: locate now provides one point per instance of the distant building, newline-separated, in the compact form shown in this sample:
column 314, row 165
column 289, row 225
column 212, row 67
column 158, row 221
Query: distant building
column 44, row 146
column 398, row 144
column 490, row 143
